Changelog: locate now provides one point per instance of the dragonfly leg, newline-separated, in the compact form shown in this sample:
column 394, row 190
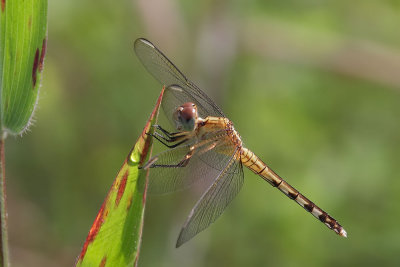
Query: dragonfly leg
column 183, row 163
column 160, row 139
column 158, row 127
column 165, row 131
column 167, row 139
column 185, row 160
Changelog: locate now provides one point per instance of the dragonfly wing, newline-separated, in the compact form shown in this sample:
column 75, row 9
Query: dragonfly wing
column 168, row 74
column 214, row 201
column 170, row 172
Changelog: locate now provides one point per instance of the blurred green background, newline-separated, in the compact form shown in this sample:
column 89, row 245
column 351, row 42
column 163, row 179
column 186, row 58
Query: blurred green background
column 312, row 86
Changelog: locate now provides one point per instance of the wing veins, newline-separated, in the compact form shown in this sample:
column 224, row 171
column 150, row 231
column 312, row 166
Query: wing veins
column 214, row 201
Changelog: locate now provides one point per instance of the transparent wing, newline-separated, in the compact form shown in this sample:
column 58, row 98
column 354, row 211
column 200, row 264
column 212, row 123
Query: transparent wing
column 168, row 74
column 170, row 172
column 214, row 201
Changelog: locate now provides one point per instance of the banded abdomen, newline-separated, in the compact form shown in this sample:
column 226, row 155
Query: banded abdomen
column 251, row 161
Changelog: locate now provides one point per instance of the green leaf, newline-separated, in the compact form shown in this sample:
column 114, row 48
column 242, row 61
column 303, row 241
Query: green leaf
column 115, row 236
column 23, row 26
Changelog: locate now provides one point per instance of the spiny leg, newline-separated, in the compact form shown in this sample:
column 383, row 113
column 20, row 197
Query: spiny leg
column 169, row 137
column 160, row 138
column 165, row 131
column 180, row 137
column 165, row 138
column 184, row 162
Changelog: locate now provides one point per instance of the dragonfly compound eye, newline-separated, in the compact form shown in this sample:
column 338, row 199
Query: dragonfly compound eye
column 188, row 114
column 186, row 117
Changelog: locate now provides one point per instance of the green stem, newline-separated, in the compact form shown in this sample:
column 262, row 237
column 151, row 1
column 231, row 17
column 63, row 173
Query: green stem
column 3, row 210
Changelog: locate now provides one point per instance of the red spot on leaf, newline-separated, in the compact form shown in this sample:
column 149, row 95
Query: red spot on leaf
column 3, row 5
column 35, row 67
column 144, row 194
column 136, row 260
column 42, row 54
column 130, row 199
column 103, row 262
column 93, row 231
column 121, row 188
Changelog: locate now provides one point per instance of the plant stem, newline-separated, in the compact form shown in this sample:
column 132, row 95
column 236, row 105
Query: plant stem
column 3, row 209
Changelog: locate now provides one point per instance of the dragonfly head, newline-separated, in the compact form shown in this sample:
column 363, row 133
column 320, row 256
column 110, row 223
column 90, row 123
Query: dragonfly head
column 186, row 116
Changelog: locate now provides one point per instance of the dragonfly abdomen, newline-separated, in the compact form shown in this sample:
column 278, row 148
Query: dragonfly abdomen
column 256, row 165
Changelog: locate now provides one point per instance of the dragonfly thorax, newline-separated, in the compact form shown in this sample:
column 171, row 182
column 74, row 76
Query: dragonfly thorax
column 185, row 117
column 234, row 135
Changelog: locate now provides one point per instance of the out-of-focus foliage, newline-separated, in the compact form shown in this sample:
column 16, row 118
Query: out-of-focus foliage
column 312, row 87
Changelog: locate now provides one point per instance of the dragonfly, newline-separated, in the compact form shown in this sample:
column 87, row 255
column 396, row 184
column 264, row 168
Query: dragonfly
column 204, row 146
